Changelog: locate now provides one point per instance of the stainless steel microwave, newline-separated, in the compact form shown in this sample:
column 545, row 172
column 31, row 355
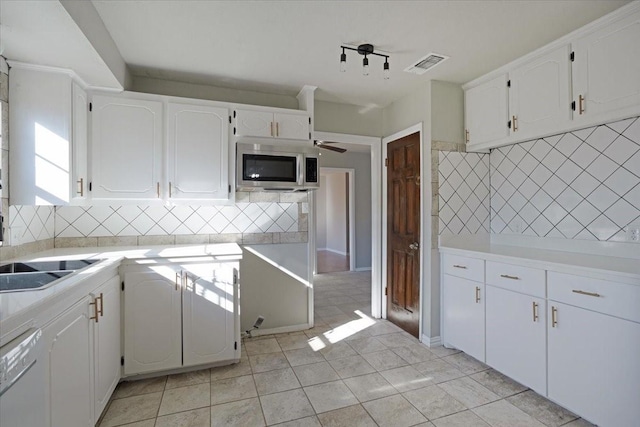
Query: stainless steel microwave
column 265, row 167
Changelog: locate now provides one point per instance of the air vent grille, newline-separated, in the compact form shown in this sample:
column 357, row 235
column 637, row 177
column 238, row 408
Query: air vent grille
column 426, row 63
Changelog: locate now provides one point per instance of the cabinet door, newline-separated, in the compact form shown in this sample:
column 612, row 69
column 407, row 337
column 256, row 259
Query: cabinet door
column 486, row 111
column 464, row 315
column 106, row 344
column 292, row 126
column 152, row 316
column 594, row 368
column 516, row 336
column 126, row 148
column 606, row 71
column 540, row 94
column 254, row 123
column 68, row 341
column 210, row 310
column 197, row 157
column 79, row 182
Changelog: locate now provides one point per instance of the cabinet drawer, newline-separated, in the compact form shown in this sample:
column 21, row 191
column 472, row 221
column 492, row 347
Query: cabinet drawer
column 613, row 298
column 530, row 281
column 461, row 266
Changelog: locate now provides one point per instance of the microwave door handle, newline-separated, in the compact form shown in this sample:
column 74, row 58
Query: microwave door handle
column 300, row 176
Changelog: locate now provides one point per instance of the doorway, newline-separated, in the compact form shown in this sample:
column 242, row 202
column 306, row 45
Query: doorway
column 403, row 233
column 335, row 225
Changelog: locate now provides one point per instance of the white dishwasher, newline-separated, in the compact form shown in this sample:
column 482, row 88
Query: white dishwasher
column 22, row 379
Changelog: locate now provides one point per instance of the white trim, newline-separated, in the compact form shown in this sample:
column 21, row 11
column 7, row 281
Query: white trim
column 332, row 250
column 282, row 329
column 375, row 146
column 431, row 342
column 425, row 243
column 48, row 69
column 363, row 269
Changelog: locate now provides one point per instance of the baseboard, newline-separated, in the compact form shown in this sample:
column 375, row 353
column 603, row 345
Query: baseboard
column 281, row 330
column 334, row 251
column 431, row 342
column 363, row 269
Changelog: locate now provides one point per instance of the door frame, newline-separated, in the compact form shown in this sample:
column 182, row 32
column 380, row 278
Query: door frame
column 377, row 162
column 424, row 236
column 352, row 215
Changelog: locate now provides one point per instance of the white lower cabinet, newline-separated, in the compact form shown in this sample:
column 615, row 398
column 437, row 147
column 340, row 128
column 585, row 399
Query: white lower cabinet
column 464, row 315
column 516, row 336
column 180, row 314
column 68, row 340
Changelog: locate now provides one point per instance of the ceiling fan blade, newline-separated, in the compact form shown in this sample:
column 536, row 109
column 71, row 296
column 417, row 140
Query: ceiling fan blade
column 329, row 147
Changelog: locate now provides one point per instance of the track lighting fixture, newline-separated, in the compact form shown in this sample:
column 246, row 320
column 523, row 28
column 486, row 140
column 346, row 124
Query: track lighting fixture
column 365, row 50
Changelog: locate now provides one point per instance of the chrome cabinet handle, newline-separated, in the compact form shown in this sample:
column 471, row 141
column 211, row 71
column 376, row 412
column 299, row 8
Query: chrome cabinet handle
column 81, row 190
column 506, row 276
column 554, row 317
column 591, row 294
column 94, row 303
column 464, row 267
column 101, row 311
column 535, row 311
column 277, row 129
column 477, row 294
column 581, row 104
column 178, row 278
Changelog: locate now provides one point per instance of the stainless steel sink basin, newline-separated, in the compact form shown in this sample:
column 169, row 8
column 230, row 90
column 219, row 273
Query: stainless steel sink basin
column 32, row 275
column 29, row 281
column 27, row 267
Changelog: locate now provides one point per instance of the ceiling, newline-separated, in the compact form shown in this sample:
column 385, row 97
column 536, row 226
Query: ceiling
column 279, row 46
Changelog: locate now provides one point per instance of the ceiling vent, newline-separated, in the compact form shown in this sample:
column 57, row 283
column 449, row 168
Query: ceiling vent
column 426, row 63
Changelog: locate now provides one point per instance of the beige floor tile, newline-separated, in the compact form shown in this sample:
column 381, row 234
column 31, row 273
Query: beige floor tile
column 367, row 345
column 318, row 330
column 383, row 327
column 337, row 350
column 405, row 378
column 303, row 356
column 400, row 339
column 383, row 360
column 241, row 413
column 415, row 353
column 329, row 396
column 370, row 387
column 292, row 342
column 185, row 398
column 351, row 366
column 351, row 416
column 286, row 406
column 465, row 363
column 302, row 422
column 545, row 411
column 438, row 371
column 469, row 392
column 434, row 402
column 196, row 418
column 328, row 311
column 315, row 373
column 131, row 409
column 442, row 351
column 230, row 371
column 188, row 378
column 393, row 411
column 268, row 362
column 461, row 419
column 498, row 383
column 230, row 389
column 261, row 346
column 504, row 414
column 275, row 381
column 135, row 388
column 145, row 423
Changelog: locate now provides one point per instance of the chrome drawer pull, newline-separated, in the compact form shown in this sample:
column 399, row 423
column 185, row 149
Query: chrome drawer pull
column 535, row 311
column 506, row 276
column 477, row 295
column 591, row 294
column 554, row 317
column 459, row 266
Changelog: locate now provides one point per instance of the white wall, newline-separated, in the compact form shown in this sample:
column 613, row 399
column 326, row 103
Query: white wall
column 347, row 118
column 321, row 217
column 336, row 213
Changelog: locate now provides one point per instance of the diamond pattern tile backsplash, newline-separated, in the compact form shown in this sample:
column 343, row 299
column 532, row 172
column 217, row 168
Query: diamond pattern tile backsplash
column 30, row 223
column 463, row 187
column 99, row 221
column 578, row 185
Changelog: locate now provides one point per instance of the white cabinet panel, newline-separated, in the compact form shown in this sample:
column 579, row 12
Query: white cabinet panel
column 254, row 123
column 463, row 316
column 462, row 266
column 106, row 348
column 153, row 320
column 516, row 336
column 197, row 152
column 79, row 158
column 606, row 70
column 291, row 126
column 594, row 368
column 126, row 148
column 69, row 358
column 540, row 95
column 209, row 313
column 486, row 111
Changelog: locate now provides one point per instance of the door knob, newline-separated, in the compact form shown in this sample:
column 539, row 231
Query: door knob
column 414, row 246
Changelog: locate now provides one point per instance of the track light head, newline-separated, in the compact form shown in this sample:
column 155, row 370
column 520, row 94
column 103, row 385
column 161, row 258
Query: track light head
column 365, row 50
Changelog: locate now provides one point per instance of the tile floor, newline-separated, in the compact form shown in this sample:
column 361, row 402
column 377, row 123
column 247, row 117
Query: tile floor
column 349, row 370
column 331, row 262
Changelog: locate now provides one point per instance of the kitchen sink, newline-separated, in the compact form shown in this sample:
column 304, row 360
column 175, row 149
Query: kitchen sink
column 31, row 275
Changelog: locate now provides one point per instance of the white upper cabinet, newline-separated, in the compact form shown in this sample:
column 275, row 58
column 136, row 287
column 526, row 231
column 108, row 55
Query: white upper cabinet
column 606, row 70
column 268, row 124
column 540, row 95
column 197, row 158
column 126, row 148
column 79, row 159
column 486, row 112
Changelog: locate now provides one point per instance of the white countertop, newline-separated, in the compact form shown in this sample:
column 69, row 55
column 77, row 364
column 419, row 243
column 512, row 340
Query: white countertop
column 624, row 269
column 18, row 309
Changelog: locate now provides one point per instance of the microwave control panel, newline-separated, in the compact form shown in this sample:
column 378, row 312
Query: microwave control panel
column 311, row 174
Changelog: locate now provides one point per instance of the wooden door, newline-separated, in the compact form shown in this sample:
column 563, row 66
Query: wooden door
column 486, row 111
column 463, row 317
column 403, row 233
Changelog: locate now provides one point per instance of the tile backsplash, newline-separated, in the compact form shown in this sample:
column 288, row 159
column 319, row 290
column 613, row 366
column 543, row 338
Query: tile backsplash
column 578, row 185
column 463, row 188
column 29, row 224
